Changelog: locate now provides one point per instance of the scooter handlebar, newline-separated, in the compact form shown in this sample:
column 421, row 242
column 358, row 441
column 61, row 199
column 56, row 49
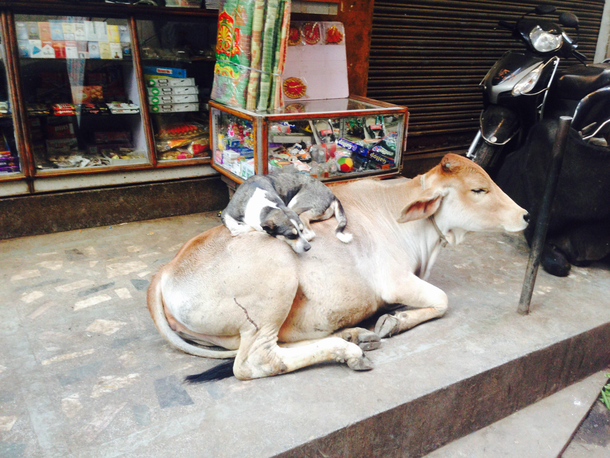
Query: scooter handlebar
column 579, row 56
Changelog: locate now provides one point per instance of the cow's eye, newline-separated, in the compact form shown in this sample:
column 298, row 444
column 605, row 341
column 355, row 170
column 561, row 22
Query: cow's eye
column 480, row 191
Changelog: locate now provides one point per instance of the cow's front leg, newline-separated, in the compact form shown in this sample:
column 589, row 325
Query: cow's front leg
column 430, row 302
column 260, row 356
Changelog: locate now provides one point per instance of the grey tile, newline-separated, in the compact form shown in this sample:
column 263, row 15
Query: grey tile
column 170, row 392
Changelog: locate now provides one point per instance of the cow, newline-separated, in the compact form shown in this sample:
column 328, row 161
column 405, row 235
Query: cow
column 276, row 311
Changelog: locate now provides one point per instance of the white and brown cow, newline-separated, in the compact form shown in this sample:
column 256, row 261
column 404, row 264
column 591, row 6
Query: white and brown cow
column 248, row 293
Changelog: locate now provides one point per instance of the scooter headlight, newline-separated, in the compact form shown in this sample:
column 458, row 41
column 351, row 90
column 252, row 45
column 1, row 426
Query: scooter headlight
column 544, row 41
column 528, row 83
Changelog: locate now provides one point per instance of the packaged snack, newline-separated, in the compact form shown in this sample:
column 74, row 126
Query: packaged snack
column 311, row 32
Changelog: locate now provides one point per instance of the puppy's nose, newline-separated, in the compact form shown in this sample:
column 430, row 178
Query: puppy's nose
column 307, row 247
column 526, row 217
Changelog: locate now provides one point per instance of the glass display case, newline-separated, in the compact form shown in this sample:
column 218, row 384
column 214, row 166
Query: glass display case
column 333, row 139
column 11, row 163
column 178, row 62
column 80, row 92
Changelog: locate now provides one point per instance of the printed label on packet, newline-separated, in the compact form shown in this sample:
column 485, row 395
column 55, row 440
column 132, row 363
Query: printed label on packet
column 351, row 146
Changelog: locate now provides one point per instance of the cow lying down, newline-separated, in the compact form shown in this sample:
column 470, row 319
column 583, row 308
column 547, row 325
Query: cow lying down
column 276, row 311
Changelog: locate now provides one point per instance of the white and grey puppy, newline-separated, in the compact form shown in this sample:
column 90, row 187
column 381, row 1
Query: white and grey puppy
column 283, row 205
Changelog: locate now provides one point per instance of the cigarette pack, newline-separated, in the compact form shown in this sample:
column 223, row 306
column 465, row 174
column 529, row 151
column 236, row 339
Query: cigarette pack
column 57, row 31
column 68, row 31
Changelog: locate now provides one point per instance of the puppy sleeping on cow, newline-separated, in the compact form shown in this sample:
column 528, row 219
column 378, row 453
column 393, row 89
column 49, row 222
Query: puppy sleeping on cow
column 283, row 206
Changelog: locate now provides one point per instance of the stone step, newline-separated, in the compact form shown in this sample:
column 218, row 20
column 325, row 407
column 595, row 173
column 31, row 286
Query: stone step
column 543, row 429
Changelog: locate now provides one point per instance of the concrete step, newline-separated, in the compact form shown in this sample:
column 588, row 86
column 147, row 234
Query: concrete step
column 543, row 429
column 83, row 371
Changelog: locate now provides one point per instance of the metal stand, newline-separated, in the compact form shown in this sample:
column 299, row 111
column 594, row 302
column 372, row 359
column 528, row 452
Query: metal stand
column 542, row 222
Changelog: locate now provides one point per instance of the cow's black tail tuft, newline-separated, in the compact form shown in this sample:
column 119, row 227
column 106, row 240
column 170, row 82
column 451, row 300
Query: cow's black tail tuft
column 218, row 372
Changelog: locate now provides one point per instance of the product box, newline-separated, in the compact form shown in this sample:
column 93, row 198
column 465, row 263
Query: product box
column 164, row 99
column 68, row 31
column 71, row 50
column 82, row 49
column 24, row 48
column 79, row 31
column 61, row 145
column 93, row 48
column 87, row 94
column 47, row 51
column 60, row 49
column 105, row 50
column 113, row 34
column 35, row 48
column 170, row 82
column 22, row 31
column 116, row 52
column 174, row 107
column 33, row 31
column 180, row 90
column 44, row 29
column 57, row 31
column 168, row 72
column 124, row 36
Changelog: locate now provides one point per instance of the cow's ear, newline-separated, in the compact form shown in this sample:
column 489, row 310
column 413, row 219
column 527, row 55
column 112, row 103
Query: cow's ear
column 422, row 207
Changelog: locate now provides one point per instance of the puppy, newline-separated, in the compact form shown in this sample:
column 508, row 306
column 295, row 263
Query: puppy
column 283, row 205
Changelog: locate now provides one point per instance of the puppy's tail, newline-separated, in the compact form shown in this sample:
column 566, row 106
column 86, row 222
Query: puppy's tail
column 345, row 237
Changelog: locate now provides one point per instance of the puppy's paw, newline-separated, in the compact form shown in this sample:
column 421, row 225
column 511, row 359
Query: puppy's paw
column 308, row 235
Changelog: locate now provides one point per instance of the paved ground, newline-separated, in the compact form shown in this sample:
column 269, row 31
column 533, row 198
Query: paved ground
column 83, row 371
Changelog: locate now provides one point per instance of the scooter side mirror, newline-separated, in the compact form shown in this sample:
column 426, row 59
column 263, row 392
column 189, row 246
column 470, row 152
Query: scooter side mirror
column 545, row 9
column 568, row 19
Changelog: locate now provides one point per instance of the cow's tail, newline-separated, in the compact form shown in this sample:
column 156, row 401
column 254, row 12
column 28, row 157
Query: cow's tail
column 155, row 306
column 345, row 237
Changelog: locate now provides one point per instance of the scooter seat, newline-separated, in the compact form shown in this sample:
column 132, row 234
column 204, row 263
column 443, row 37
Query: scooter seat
column 577, row 81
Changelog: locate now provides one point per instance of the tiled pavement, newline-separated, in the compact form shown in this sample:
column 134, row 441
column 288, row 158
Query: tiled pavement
column 84, row 373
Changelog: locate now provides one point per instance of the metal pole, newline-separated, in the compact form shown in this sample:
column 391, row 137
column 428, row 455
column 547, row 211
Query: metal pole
column 542, row 221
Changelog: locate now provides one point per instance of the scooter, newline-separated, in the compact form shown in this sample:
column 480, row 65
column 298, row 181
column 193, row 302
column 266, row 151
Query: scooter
column 524, row 87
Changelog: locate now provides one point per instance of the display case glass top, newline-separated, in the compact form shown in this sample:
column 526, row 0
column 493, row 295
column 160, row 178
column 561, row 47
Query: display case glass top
column 81, row 93
column 178, row 61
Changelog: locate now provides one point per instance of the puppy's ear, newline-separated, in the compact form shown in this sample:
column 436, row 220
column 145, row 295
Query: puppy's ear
column 269, row 227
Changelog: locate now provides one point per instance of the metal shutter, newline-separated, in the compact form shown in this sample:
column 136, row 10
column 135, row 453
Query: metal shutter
column 431, row 55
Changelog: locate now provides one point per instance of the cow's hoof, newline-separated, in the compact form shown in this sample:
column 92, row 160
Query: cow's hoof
column 360, row 364
column 554, row 261
column 386, row 326
column 365, row 339
column 368, row 341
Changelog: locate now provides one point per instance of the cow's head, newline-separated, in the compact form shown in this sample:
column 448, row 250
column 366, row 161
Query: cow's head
column 463, row 198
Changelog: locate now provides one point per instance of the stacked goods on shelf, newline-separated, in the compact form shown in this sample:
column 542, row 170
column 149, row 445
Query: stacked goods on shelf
column 170, row 90
column 250, row 49
column 114, row 146
column 94, row 93
column 73, row 39
column 235, row 146
column 182, row 140
column 329, row 148
column 9, row 160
